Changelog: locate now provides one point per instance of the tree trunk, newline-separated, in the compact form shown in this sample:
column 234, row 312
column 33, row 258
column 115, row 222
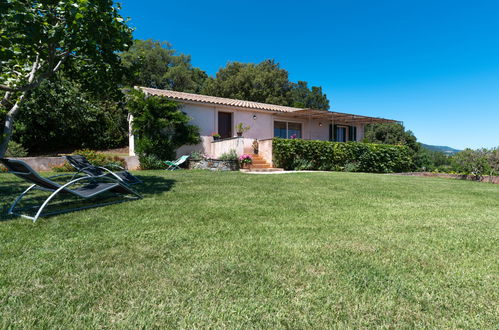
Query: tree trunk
column 9, row 125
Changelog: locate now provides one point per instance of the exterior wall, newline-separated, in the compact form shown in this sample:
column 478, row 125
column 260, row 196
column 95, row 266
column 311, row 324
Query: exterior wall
column 265, row 150
column 222, row 146
column 261, row 128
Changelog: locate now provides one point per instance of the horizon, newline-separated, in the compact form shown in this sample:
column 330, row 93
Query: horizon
column 433, row 66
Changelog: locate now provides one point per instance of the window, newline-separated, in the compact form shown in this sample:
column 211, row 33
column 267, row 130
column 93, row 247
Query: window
column 341, row 134
column 294, row 131
column 280, row 129
column 287, row 130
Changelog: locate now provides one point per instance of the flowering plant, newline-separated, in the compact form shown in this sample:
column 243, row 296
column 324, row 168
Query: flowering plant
column 245, row 159
column 293, row 136
column 215, row 135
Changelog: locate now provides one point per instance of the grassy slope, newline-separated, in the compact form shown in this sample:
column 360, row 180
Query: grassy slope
column 291, row 250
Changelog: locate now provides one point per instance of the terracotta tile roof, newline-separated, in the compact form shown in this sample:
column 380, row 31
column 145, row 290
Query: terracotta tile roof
column 282, row 110
column 217, row 100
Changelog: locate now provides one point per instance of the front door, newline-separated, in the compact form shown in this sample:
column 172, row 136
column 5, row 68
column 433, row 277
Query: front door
column 225, row 124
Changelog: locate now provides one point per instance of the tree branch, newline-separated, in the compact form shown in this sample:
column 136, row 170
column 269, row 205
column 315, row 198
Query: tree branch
column 32, row 82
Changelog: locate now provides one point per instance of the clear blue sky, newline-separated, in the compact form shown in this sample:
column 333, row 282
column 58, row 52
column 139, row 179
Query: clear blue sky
column 433, row 64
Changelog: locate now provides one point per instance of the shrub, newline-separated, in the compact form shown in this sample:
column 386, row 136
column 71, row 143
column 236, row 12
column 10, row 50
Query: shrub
column 151, row 162
column 231, row 155
column 16, row 150
column 94, row 157
column 160, row 127
column 472, row 162
column 338, row 156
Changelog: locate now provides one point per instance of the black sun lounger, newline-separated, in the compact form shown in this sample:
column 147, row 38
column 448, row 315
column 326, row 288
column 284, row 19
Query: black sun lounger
column 89, row 187
column 81, row 164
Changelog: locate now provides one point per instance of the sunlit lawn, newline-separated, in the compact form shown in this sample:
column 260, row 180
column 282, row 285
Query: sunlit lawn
column 307, row 250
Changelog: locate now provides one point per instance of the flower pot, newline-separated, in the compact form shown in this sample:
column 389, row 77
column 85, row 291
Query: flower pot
column 239, row 134
column 215, row 138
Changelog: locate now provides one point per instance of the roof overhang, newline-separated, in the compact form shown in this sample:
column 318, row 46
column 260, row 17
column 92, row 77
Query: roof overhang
column 337, row 117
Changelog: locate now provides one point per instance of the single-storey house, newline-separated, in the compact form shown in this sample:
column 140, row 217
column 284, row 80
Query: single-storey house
column 221, row 115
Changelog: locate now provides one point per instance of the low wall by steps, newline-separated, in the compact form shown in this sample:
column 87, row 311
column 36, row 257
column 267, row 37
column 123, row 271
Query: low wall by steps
column 42, row 164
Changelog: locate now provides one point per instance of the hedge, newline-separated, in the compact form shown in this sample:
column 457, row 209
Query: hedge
column 297, row 154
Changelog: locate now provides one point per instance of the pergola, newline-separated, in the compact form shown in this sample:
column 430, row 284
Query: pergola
column 334, row 117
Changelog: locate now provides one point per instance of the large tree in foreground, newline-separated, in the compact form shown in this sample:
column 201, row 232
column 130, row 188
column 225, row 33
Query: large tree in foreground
column 40, row 37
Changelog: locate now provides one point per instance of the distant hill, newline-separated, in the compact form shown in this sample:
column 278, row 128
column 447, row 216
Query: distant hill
column 444, row 149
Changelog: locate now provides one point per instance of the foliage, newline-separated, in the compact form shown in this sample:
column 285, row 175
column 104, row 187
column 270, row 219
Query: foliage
column 196, row 155
column 94, row 157
column 230, row 155
column 472, row 162
column 431, row 160
column 245, row 159
column 493, row 160
column 264, row 82
column 16, row 150
column 160, row 127
column 39, row 38
column 240, row 128
column 155, row 64
column 390, row 133
column 60, row 115
column 303, row 97
column 151, row 162
column 336, row 156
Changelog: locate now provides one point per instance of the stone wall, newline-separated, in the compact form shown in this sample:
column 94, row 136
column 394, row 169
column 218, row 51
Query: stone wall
column 213, row 165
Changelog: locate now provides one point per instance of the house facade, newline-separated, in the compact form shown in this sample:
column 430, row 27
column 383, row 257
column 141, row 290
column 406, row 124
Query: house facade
column 265, row 121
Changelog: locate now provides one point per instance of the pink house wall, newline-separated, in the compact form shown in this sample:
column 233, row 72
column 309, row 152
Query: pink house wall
column 261, row 126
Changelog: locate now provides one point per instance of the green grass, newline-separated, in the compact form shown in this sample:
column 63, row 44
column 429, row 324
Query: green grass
column 220, row 250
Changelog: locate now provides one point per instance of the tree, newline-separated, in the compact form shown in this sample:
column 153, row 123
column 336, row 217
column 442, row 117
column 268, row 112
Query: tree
column 264, row 82
column 493, row 159
column 390, row 133
column 155, row 64
column 472, row 162
column 159, row 125
column 42, row 37
column 303, row 97
column 61, row 115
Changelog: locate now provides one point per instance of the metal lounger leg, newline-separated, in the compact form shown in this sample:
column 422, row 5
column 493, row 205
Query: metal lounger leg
column 18, row 199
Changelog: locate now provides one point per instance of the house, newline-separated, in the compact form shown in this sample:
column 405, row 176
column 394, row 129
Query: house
column 216, row 114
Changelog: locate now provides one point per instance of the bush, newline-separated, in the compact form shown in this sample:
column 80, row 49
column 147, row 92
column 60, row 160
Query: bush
column 338, row 156
column 16, row 150
column 231, row 155
column 151, row 162
column 472, row 162
column 94, row 157
column 160, row 127
column 60, row 116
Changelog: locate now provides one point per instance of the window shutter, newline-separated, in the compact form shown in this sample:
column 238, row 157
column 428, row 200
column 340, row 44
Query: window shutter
column 335, row 132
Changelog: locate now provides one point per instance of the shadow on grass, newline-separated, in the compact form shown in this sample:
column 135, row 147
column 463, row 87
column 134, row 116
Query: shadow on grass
column 9, row 190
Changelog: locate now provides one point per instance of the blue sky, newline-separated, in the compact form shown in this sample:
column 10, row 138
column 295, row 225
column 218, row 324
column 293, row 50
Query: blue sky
column 432, row 64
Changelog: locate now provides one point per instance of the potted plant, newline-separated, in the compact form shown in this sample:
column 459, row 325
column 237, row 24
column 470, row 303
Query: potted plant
column 215, row 136
column 245, row 160
column 255, row 146
column 240, row 129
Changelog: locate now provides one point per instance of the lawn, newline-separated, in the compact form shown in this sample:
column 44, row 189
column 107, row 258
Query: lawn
column 232, row 250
